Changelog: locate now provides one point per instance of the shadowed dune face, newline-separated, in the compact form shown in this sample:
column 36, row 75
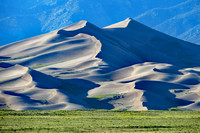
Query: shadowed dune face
column 125, row 66
column 78, row 87
column 154, row 90
column 159, row 47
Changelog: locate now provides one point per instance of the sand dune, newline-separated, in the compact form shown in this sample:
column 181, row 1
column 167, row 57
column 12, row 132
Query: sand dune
column 124, row 66
column 34, row 90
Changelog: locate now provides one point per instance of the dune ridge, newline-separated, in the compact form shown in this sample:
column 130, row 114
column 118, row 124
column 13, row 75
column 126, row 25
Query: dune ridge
column 126, row 66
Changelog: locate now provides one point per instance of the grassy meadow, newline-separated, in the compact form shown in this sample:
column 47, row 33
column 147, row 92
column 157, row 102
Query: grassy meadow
column 100, row 121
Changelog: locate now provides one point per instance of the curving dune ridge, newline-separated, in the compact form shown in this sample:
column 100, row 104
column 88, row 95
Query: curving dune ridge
column 123, row 66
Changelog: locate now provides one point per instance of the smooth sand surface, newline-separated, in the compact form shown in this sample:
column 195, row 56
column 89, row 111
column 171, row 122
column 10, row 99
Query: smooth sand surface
column 123, row 66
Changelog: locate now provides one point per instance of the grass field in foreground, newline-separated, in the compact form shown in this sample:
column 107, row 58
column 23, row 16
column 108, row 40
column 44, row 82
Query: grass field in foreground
column 99, row 121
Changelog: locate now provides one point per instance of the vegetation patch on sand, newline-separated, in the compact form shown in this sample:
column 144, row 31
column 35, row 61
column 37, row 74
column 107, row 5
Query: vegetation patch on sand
column 99, row 121
column 14, row 58
column 40, row 65
column 103, row 97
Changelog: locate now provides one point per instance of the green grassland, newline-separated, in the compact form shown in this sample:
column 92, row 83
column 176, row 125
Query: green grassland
column 100, row 121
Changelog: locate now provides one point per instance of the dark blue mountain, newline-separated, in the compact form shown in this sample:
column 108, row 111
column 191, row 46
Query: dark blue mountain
column 22, row 19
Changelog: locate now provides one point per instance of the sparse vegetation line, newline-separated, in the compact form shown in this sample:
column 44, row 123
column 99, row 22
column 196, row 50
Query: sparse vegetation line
column 14, row 58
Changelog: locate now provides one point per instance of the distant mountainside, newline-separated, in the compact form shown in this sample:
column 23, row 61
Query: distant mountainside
column 181, row 21
column 125, row 66
column 34, row 17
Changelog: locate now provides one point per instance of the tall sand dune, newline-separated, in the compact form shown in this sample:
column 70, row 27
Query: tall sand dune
column 126, row 66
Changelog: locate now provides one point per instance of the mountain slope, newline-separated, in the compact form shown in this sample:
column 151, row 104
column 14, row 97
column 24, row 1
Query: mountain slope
column 192, row 34
column 123, row 66
column 34, row 17
column 175, row 20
